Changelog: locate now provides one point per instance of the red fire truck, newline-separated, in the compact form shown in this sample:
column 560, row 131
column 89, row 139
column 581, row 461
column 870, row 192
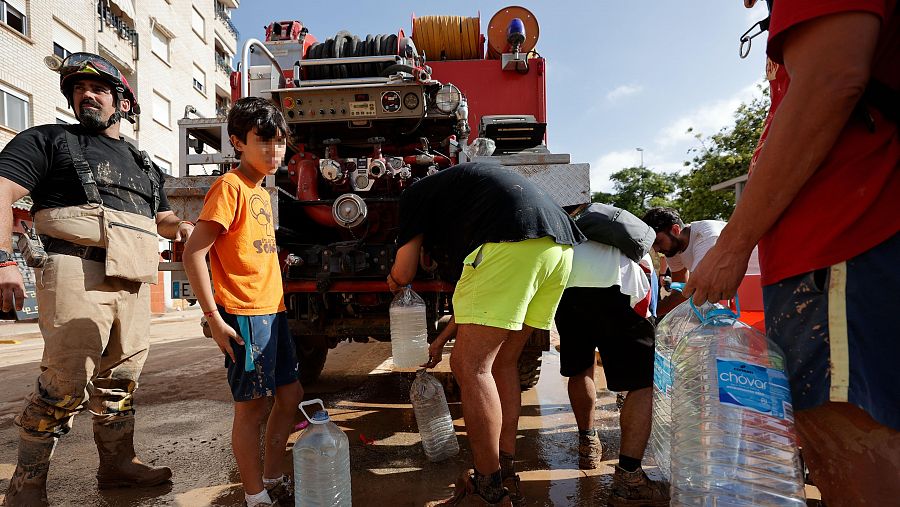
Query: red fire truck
column 370, row 115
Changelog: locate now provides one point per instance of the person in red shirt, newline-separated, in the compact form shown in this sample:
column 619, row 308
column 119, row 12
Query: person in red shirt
column 821, row 201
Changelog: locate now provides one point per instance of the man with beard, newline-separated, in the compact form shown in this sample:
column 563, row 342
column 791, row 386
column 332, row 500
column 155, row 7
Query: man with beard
column 684, row 247
column 98, row 205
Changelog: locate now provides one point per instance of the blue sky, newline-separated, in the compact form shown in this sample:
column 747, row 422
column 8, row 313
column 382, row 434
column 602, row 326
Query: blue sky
column 621, row 74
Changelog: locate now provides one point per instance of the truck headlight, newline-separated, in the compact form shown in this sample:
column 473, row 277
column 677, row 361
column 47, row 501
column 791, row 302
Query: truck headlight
column 447, row 98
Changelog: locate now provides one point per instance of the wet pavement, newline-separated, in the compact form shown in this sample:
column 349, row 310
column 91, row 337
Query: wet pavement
column 184, row 419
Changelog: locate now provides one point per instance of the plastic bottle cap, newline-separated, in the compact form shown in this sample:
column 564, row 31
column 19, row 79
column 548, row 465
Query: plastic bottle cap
column 320, row 417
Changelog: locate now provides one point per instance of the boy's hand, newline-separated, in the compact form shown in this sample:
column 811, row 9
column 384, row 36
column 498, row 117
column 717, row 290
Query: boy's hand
column 222, row 333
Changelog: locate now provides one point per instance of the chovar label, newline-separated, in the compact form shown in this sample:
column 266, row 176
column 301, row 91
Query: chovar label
column 662, row 374
column 753, row 387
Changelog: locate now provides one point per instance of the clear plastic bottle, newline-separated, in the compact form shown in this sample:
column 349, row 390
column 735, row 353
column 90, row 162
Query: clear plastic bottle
column 409, row 331
column 671, row 328
column 321, row 463
column 733, row 437
column 433, row 417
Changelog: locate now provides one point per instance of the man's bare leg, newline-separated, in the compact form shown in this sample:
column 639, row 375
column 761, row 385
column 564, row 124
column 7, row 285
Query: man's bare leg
column 506, row 375
column 471, row 361
column 583, row 397
column 852, row 459
column 635, row 422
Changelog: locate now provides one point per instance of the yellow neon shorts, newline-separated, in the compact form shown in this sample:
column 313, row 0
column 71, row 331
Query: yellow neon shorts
column 504, row 285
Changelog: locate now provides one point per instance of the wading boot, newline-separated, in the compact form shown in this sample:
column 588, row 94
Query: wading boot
column 28, row 485
column 119, row 467
column 636, row 489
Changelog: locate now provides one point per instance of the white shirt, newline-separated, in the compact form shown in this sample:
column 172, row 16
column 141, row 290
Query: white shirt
column 703, row 236
column 599, row 265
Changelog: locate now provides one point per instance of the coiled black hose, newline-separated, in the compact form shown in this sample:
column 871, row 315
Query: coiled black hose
column 344, row 45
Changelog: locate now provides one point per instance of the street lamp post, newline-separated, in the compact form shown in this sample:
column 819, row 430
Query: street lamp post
column 641, row 151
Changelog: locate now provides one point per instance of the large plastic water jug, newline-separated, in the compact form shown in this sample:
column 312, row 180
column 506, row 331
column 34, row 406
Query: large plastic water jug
column 670, row 329
column 409, row 331
column 321, row 462
column 433, row 417
column 733, row 437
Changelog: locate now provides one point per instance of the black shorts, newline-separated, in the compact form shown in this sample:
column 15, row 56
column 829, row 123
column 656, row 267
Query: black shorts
column 602, row 319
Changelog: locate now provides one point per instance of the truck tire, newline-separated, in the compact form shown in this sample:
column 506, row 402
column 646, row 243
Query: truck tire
column 311, row 362
column 529, row 368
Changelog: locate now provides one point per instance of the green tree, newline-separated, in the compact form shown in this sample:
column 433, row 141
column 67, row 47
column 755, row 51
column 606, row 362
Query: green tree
column 638, row 188
column 720, row 157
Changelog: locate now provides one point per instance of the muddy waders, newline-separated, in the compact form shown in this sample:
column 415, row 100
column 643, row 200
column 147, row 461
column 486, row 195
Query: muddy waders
column 28, row 485
column 119, row 466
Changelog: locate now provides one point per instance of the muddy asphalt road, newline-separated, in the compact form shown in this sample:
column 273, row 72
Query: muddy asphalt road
column 184, row 412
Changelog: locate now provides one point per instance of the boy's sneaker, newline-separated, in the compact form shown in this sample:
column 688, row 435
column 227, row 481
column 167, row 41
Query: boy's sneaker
column 281, row 491
column 465, row 495
column 590, row 451
column 260, row 499
column 636, row 489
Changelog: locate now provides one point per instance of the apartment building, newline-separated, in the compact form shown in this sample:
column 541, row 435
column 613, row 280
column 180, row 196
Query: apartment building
column 174, row 53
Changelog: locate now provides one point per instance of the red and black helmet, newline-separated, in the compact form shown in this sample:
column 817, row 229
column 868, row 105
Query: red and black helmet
column 78, row 66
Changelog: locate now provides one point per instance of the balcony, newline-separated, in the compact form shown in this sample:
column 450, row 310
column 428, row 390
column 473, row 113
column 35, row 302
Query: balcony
column 222, row 15
column 223, row 64
column 118, row 24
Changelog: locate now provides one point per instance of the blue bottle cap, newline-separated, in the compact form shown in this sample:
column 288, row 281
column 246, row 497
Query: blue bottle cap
column 321, row 416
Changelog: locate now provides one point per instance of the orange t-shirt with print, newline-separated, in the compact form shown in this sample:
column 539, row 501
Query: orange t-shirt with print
column 243, row 259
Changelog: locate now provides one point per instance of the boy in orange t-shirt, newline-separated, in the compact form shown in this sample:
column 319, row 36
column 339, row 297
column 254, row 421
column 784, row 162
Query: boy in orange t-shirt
column 246, row 315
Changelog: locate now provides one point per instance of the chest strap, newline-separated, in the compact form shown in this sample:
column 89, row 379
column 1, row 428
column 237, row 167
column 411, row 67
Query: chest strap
column 86, row 176
column 83, row 169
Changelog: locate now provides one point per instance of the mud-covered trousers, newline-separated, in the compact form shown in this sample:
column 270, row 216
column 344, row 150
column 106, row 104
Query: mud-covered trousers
column 96, row 333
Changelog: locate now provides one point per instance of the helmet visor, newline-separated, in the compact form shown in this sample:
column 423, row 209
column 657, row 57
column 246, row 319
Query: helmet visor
column 86, row 63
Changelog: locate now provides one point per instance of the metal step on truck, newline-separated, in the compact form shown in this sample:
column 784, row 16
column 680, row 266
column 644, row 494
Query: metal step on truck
column 368, row 117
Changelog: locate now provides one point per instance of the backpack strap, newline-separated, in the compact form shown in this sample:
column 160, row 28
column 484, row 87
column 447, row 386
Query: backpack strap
column 83, row 169
column 143, row 160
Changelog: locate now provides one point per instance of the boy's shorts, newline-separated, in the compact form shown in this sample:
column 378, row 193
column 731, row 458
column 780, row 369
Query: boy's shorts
column 273, row 359
column 838, row 329
column 594, row 318
column 504, row 285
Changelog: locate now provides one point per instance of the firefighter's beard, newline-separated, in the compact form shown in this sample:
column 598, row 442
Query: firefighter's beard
column 92, row 119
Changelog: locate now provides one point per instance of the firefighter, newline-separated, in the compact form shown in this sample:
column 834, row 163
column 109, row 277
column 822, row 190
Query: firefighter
column 98, row 204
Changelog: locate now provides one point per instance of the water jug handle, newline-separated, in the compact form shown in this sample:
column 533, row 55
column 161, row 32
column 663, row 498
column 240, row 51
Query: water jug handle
column 716, row 313
column 310, row 402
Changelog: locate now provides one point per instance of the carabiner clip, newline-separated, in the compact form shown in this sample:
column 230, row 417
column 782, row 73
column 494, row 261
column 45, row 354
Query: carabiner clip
column 747, row 38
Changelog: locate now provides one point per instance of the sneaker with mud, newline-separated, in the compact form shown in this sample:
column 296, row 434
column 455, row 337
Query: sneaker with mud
column 281, row 491
column 465, row 495
column 635, row 489
column 513, row 485
column 590, row 451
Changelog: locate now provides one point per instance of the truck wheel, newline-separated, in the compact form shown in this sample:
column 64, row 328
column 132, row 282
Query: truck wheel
column 311, row 361
column 529, row 368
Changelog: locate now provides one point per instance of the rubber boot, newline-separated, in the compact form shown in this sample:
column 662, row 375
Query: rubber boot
column 119, row 467
column 28, row 485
